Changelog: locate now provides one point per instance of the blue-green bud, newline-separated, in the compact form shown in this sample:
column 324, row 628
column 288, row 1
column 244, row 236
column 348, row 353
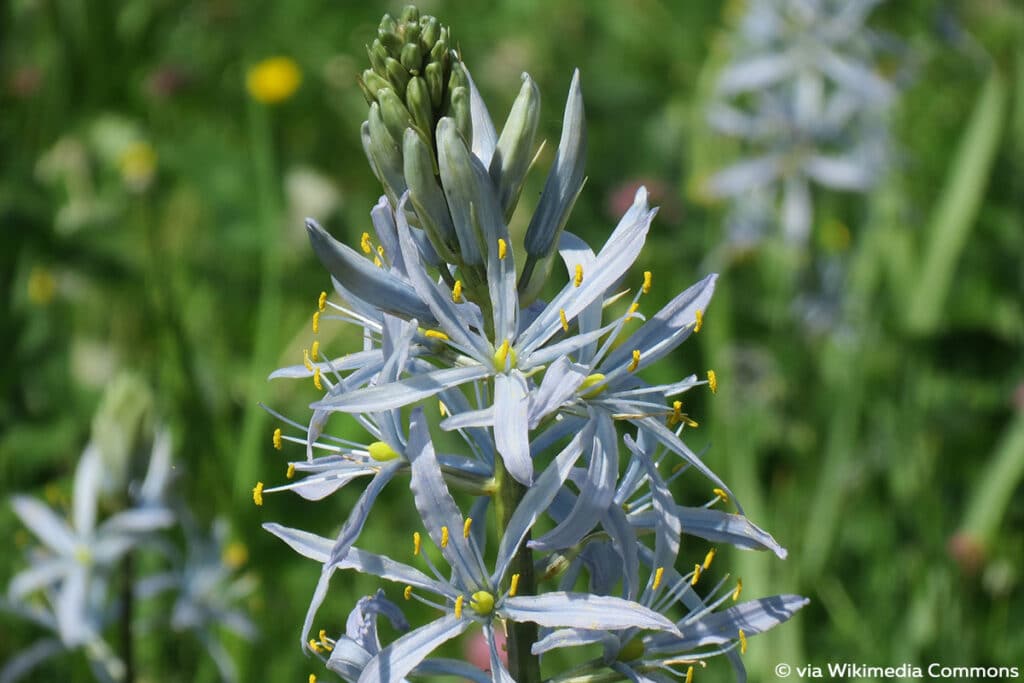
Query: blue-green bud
column 427, row 197
column 514, row 151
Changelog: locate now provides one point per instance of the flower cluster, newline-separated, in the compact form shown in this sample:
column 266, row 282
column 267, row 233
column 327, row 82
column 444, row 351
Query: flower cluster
column 536, row 379
column 804, row 96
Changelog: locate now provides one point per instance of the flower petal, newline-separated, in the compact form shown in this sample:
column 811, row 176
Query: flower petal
column 399, row 658
column 398, row 394
column 47, row 526
column 88, row 481
column 511, row 431
column 582, row 610
column 715, row 628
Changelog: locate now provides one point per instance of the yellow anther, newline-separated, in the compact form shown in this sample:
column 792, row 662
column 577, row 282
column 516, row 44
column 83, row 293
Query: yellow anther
column 657, row 578
column 592, row 381
column 709, row 557
column 505, row 353
column 257, row 493
column 502, row 249
column 314, row 646
column 381, row 451
column 713, row 381
column 482, row 602
column 743, row 642
column 633, row 308
column 636, row 360
column 444, row 537
column 443, row 409
column 677, row 414
column 364, row 243
column 321, row 301
column 436, row 334
column 380, row 250
column 739, row 589
column 323, row 640
column 647, row 282
column 416, row 541
column 277, row 439
column 513, row 587
column 563, row 319
column 306, row 361
column 290, row 473
column 689, row 674
column 697, row 571
column 721, row 494
column 407, row 593
column 699, row 321
column 316, row 323
column 466, row 526
column 377, row 262
column 458, row 606
column 312, row 678
column 457, row 292
column 314, row 350
column 316, row 380
column 577, row 279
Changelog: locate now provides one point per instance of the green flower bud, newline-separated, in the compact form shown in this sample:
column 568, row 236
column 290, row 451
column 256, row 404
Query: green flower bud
column 427, row 197
column 412, row 58
column 410, row 13
column 514, row 152
column 396, row 117
column 435, row 84
column 460, row 111
column 384, row 154
column 417, row 99
column 397, row 74
column 460, row 189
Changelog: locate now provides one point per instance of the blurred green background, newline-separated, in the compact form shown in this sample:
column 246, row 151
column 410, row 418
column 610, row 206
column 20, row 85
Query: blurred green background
column 151, row 221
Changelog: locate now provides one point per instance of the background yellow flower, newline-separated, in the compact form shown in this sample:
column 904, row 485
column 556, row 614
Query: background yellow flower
column 273, row 80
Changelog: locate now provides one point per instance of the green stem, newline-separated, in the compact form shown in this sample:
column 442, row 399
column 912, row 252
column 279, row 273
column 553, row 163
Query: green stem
column 523, row 664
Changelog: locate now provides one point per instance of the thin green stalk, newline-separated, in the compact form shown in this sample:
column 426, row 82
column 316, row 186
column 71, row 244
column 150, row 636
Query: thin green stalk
column 523, row 664
column 1002, row 476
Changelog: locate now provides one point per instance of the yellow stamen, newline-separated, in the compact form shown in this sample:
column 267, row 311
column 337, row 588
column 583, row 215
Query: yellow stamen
column 443, row 409
column 290, row 474
column 709, row 557
column 377, row 262
column 713, row 381
column 312, row 678
column 316, row 380
column 314, row 350
column 743, row 642
column 633, row 308
column 323, row 640
column 466, row 526
column 416, row 539
column 380, row 250
column 314, row 646
column 636, row 360
column 699, row 321
column 563, row 319
column 689, row 674
column 257, row 493
column 677, row 414
column 316, row 323
column 381, row 451
column 577, row 279
column 647, row 282
column 739, row 589
column 514, row 586
column 444, row 537
column 321, row 301
column 697, row 571
column 458, row 606
column 657, row 578
column 721, row 494
column 407, row 593
column 457, row 292
column 364, row 243
column 277, row 439
column 436, row 334
column 305, row 360
column 502, row 249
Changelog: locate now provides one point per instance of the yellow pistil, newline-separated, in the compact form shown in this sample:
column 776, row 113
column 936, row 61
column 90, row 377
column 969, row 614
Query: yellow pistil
column 513, row 587
column 709, row 557
column 407, row 593
column 722, row 495
column 591, row 381
column 466, row 526
column 634, row 649
column 381, row 451
column 697, row 571
column 699, row 321
column 316, row 380
column 444, row 537
column 577, row 279
column 739, row 589
column 657, row 578
column 713, row 381
column 457, row 292
column 316, row 323
column 306, row 361
column 290, row 473
column 647, row 282
column 504, row 353
column 482, row 602
column 458, row 606
column 364, row 243
column 314, row 646
column 257, row 493
column 743, row 642
column 689, row 674
column 416, row 541
column 502, row 249
column 277, row 439
column 321, row 301
column 314, row 350
column 635, row 362
column 563, row 319
column 436, row 334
